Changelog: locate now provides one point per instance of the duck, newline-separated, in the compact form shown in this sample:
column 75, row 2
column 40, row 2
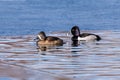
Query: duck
column 42, row 39
column 75, row 31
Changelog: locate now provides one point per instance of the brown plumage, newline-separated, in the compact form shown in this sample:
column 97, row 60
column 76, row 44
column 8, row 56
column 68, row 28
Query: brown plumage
column 48, row 40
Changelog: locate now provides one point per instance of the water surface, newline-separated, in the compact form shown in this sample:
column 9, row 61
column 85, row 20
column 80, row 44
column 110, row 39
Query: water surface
column 21, row 59
column 88, row 61
column 28, row 17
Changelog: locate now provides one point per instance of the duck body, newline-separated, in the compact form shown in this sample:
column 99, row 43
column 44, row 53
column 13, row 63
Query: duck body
column 84, row 36
column 88, row 37
column 48, row 40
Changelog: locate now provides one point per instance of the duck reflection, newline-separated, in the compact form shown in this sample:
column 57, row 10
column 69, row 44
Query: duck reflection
column 75, row 43
column 46, row 47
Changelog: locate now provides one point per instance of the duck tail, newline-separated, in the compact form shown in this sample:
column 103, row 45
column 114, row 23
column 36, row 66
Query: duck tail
column 98, row 38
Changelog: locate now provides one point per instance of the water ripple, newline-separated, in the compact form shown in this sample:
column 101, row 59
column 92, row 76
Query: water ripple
column 90, row 60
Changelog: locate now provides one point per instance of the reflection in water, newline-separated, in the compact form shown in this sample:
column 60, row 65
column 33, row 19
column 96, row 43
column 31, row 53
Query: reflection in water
column 46, row 47
column 75, row 60
column 75, row 43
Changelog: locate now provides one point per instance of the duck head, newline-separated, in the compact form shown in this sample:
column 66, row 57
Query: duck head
column 41, row 36
column 75, row 31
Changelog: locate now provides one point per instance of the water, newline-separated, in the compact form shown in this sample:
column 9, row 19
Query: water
column 21, row 17
column 21, row 59
column 89, row 61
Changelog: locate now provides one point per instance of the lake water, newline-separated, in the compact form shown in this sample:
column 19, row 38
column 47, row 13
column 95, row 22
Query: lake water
column 21, row 59
column 21, row 17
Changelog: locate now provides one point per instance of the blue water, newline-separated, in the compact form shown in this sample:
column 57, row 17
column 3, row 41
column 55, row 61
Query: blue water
column 26, row 17
column 21, row 20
